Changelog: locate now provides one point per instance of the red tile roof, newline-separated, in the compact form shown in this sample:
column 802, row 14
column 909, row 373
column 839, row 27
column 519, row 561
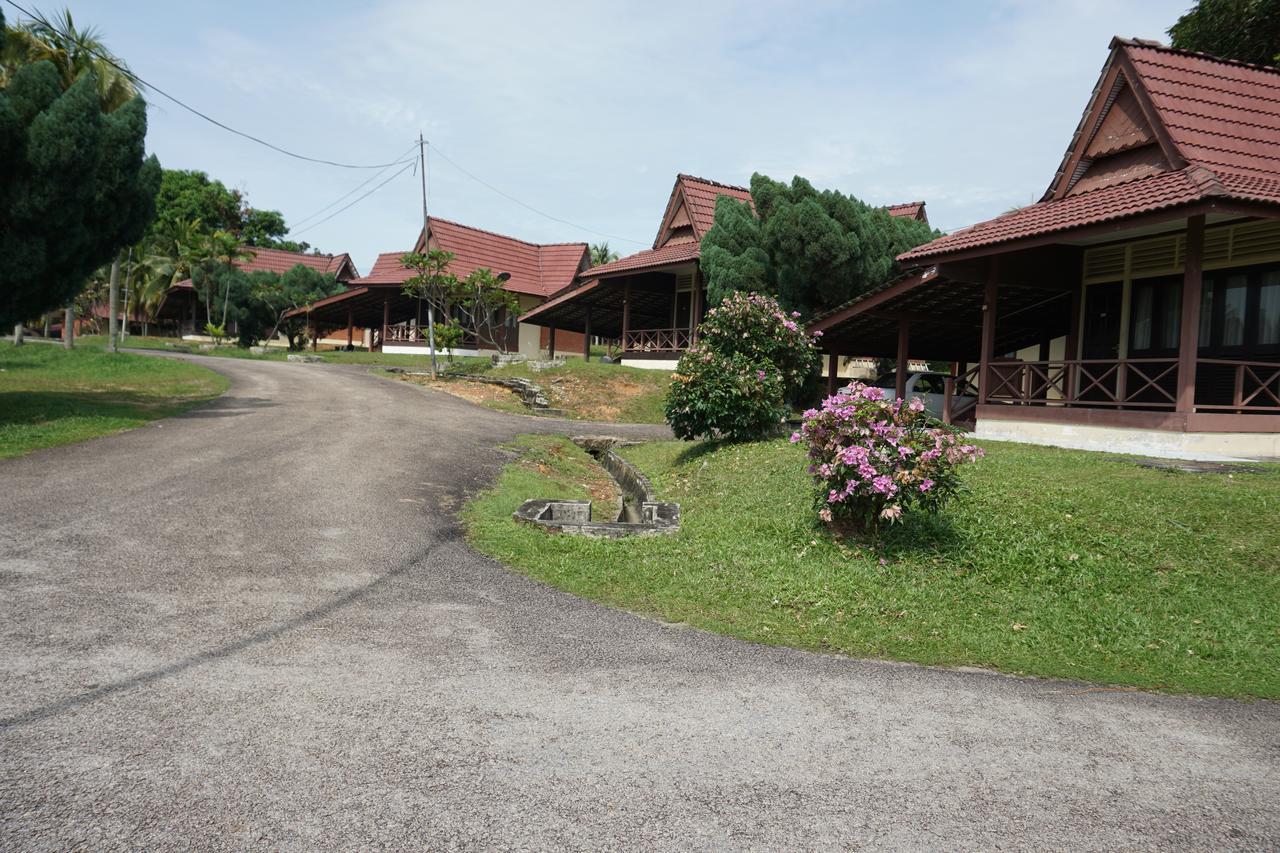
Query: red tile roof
column 672, row 253
column 911, row 210
column 700, row 197
column 1222, row 121
column 279, row 261
column 386, row 270
column 536, row 269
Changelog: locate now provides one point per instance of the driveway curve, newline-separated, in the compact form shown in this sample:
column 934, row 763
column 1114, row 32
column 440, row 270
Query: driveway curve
column 257, row 625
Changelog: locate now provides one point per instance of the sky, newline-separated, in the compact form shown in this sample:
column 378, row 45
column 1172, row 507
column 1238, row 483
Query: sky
column 585, row 112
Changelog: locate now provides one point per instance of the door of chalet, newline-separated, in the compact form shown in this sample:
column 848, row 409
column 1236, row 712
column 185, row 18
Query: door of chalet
column 1100, row 341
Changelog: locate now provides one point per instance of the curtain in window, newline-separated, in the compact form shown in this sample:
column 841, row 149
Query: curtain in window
column 1143, row 310
column 1234, row 298
column 1269, row 308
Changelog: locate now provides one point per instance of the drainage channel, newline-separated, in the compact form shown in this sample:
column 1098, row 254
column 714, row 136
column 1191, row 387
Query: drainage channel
column 639, row 514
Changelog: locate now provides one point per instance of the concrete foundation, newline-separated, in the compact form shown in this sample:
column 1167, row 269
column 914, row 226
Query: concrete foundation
column 1165, row 444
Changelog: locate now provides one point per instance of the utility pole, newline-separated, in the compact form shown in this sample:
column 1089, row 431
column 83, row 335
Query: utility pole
column 426, row 250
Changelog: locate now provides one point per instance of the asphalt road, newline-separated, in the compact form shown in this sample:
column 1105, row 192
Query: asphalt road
column 257, row 625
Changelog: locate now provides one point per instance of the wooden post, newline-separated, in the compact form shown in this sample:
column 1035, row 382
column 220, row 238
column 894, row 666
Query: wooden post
column 386, row 320
column 695, row 307
column 315, row 336
column 833, row 371
column 351, row 320
column 1072, row 350
column 626, row 312
column 948, row 394
column 989, row 308
column 1189, row 343
column 904, row 340
column 586, row 335
column 551, row 343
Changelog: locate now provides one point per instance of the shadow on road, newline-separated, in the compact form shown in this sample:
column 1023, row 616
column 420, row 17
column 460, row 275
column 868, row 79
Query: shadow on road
column 229, row 407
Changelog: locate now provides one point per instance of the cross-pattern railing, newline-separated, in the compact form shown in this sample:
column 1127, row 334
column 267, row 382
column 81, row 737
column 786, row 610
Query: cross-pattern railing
column 1148, row 383
column 960, row 395
column 656, row 340
column 1255, row 385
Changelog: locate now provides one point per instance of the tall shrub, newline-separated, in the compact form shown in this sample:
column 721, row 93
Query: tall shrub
column 735, row 383
column 874, row 458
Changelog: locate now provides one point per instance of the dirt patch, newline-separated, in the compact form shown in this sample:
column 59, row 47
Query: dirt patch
column 586, row 399
column 493, row 396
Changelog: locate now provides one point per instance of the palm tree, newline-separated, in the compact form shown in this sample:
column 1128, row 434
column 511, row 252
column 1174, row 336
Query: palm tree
column 164, row 258
column 223, row 248
column 74, row 52
column 601, row 254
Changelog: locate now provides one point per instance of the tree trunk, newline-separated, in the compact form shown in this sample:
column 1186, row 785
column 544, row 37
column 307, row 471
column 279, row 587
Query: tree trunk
column 46, row 325
column 113, row 304
column 68, row 331
column 17, row 334
column 431, row 336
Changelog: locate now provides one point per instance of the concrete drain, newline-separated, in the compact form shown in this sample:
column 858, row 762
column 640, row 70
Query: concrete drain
column 638, row 514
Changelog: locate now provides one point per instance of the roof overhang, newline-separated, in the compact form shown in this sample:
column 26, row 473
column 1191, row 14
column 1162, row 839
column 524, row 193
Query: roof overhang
column 943, row 318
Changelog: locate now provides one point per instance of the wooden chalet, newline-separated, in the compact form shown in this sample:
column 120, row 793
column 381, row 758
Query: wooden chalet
column 398, row 323
column 1136, row 306
column 652, row 301
column 180, row 311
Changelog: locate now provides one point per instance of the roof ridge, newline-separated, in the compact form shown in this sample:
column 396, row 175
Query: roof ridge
column 1161, row 46
column 503, row 236
column 683, row 176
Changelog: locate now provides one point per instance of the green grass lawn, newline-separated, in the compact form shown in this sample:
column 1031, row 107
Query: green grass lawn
column 50, row 396
column 1056, row 563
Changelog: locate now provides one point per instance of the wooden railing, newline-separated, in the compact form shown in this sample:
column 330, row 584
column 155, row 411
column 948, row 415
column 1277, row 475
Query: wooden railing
column 1222, row 385
column 406, row 334
column 960, row 396
column 1255, row 386
column 1148, row 383
column 656, row 340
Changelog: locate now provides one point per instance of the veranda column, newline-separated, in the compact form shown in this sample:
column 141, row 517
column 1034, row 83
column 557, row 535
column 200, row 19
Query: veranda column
column 695, row 307
column 586, row 335
column 904, row 341
column 351, row 319
column 386, row 319
column 626, row 312
column 989, row 309
column 551, row 343
column 1189, row 342
column 833, row 369
column 1071, row 352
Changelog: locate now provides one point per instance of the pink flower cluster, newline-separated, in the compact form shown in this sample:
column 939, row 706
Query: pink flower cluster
column 874, row 457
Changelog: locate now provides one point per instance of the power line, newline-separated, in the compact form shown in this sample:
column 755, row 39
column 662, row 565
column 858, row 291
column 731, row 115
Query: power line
column 136, row 79
column 402, row 170
column 512, row 198
column 353, row 190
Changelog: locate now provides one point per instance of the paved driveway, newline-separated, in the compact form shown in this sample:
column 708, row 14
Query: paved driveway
column 257, row 626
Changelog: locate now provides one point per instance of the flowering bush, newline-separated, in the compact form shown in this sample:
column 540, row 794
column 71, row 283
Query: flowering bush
column 718, row 396
column 755, row 326
column 734, row 384
column 875, row 458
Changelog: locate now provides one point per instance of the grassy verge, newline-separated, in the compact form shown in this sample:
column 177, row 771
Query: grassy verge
column 50, row 396
column 1057, row 563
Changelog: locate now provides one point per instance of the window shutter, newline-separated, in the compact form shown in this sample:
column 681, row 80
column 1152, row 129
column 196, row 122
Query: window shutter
column 1105, row 263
